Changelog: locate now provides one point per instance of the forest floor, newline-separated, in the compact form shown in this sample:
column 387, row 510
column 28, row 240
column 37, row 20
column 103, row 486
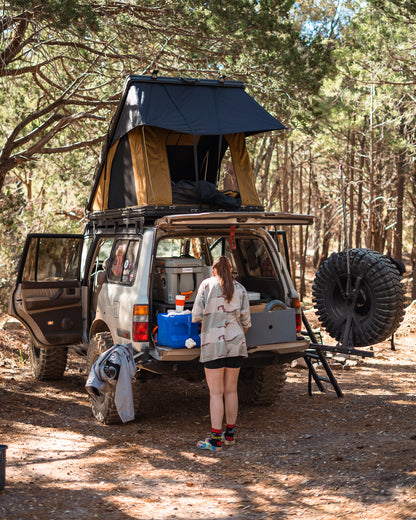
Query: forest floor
column 319, row 457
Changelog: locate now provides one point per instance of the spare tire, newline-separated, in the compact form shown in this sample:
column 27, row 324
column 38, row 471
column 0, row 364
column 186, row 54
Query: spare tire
column 373, row 299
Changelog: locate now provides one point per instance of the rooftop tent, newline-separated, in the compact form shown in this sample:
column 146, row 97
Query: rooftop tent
column 167, row 131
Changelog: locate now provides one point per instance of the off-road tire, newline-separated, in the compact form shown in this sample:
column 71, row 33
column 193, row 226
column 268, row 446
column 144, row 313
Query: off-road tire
column 47, row 364
column 261, row 385
column 378, row 309
column 103, row 407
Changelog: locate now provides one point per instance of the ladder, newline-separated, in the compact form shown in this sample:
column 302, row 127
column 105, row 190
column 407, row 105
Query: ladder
column 315, row 355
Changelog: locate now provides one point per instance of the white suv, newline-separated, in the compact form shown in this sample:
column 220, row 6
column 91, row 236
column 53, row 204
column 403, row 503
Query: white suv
column 109, row 286
column 173, row 190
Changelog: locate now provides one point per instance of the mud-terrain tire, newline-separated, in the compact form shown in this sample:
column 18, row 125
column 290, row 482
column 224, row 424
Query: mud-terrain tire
column 261, row 385
column 103, row 407
column 47, row 364
column 375, row 304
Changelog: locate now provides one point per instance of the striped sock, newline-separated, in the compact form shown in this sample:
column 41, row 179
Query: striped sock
column 216, row 437
column 229, row 432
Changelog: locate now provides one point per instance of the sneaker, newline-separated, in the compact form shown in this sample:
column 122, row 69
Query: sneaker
column 206, row 445
column 227, row 443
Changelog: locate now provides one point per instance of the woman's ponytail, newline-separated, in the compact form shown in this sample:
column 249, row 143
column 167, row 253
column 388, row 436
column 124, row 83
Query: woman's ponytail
column 223, row 267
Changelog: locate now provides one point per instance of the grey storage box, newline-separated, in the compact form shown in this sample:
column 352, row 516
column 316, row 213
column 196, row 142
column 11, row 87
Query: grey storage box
column 178, row 276
column 269, row 327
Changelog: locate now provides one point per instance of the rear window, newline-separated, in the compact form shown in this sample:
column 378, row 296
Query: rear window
column 251, row 261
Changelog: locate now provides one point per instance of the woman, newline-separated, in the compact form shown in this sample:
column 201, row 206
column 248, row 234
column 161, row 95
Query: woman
column 223, row 307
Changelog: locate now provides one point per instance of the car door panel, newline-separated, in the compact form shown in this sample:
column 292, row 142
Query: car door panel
column 47, row 294
column 45, row 297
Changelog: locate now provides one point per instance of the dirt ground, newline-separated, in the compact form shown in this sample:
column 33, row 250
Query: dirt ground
column 319, row 457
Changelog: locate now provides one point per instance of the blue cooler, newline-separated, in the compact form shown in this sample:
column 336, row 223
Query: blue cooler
column 174, row 329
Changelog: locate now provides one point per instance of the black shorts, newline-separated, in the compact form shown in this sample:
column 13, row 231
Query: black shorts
column 229, row 362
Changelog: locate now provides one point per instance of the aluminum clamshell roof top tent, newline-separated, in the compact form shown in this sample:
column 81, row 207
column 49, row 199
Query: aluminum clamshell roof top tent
column 167, row 130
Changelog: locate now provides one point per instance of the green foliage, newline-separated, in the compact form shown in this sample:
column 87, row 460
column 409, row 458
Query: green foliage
column 62, row 14
column 320, row 66
column 392, row 8
column 48, row 196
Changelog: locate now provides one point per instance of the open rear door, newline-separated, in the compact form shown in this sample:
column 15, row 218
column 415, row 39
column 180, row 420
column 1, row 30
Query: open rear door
column 217, row 219
column 47, row 294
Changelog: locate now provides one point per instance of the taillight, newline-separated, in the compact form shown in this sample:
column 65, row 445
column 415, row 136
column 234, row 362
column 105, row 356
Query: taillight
column 141, row 323
column 296, row 305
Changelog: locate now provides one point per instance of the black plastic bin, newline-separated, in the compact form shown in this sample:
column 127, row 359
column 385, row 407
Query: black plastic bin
column 3, row 449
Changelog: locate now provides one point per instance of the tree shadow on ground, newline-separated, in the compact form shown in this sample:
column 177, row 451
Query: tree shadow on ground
column 304, row 454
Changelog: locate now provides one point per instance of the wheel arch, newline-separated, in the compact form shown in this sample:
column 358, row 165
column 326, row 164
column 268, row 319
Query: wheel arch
column 98, row 326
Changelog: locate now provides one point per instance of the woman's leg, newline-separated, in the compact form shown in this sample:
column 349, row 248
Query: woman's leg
column 215, row 381
column 230, row 394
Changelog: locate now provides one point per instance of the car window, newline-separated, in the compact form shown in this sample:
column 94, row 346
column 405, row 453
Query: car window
column 280, row 239
column 180, row 247
column 85, row 250
column 129, row 265
column 105, row 248
column 169, row 248
column 102, row 254
column 29, row 272
column 217, row 248
column 255, row 257
column 123, row 261
column 52, row 259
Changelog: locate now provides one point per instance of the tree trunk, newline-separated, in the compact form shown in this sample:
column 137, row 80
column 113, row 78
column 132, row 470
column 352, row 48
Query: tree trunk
column 291, row 238
column 358, row 229
column 302, row 259
column 370, row 221
column 400, row 169
column 413, row 254
column 264, row 170
column 380, row 216
column 325, row 247
column 352, row 188
column 305, row 251
column 285, row 178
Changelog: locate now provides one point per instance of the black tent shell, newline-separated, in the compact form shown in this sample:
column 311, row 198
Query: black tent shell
column 198, row 107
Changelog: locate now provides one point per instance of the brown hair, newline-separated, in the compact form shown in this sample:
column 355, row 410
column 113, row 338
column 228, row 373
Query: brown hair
column 223, row 268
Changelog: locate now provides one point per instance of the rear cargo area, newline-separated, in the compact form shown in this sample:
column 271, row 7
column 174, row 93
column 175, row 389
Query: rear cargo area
column 183, row 262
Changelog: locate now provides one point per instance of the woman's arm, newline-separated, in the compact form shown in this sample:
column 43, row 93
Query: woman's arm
column 245, row 318
column 199, row 304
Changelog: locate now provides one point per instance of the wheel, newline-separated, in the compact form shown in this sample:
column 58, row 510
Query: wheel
column 47, row 364
column 372, row 298
column 103, row 407
column 261, row 385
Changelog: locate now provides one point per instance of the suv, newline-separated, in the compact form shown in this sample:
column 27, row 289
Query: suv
column 110, row 285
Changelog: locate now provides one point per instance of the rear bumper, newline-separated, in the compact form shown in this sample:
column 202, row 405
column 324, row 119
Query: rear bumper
column 282, row 349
